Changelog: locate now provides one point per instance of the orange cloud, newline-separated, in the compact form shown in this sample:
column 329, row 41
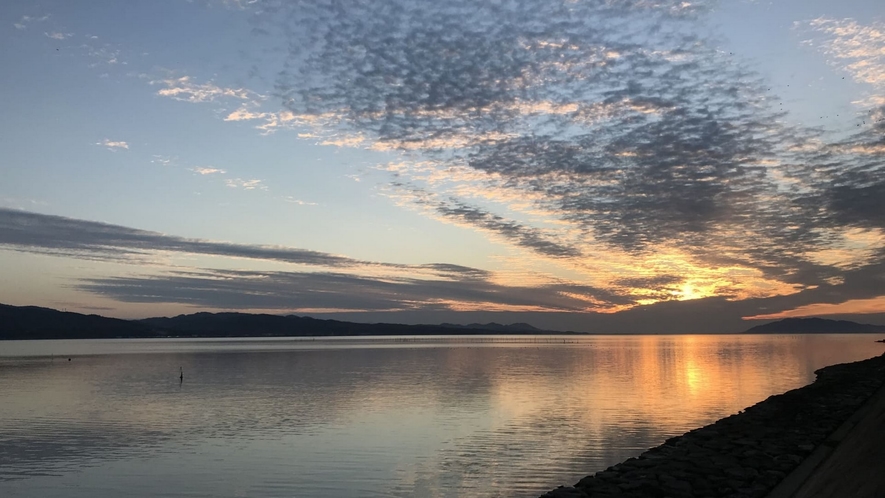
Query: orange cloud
column 853, row 306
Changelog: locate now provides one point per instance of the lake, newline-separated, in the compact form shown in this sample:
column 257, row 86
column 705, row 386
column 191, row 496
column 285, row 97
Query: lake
column 361, row 417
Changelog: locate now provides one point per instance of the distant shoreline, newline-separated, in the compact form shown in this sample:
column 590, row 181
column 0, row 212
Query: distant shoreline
column 430, row 337
column 35, row 323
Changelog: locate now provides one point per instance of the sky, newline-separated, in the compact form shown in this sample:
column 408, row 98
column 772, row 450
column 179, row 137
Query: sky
column 601, row 165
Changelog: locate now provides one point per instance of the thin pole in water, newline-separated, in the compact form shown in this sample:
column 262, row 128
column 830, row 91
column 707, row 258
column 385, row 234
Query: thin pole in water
column 180, row 375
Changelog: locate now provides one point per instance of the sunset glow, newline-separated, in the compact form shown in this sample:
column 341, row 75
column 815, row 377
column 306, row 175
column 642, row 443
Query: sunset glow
column 579, row 165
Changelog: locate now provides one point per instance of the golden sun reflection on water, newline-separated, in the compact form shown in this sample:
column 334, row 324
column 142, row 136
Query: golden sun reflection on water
column 673, row 383
column 693, row 376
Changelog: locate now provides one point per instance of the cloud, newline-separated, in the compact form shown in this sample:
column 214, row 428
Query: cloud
column 32, row 232
column 273, row 121
column 225, row 289
column 20, row 203
column 299, row 202
column 441, row 84
column 113, row 145
column 232, row 4
column 853, row 178
column 647, row 282
column 164, row 160
column 312, row 292
column 185, row 89
column 858, row 205
column 23, row 23
column 245, row 184
column 511, row 230
column 208, row 171
column 854, row 47
column 346, row 284
column 243, row 114
column 103, row 55
column 57, row 35
column 577, row 128
column 42, row 233
column 608, row 140
column 853, row 307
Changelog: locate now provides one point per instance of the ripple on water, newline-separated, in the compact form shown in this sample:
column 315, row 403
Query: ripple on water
column 363, row 418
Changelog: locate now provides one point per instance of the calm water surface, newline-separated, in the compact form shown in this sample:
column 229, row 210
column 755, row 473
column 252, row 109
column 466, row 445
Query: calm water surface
column 419, row 417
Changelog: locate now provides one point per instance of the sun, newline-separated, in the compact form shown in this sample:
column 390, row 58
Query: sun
column 688, row 291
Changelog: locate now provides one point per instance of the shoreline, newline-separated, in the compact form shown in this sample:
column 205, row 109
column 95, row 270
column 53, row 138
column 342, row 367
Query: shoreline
column 478, row 335
column 746, row 454
column 36, row 323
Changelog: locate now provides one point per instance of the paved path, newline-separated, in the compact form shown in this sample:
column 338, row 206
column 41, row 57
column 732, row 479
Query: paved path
column 849, row 465
column 857, row 466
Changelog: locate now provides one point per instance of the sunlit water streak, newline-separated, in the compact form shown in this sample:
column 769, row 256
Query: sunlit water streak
column 404, row 417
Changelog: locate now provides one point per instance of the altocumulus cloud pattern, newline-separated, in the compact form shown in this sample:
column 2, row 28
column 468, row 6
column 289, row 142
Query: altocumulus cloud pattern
column 621, row 125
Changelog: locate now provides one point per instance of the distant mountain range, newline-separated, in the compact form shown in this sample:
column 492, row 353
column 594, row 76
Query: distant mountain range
column 31, row 322
column 497, row 327
column 814, row 326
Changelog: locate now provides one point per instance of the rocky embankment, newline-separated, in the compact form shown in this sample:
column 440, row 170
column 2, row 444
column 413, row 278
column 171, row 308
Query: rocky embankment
column 746, row 454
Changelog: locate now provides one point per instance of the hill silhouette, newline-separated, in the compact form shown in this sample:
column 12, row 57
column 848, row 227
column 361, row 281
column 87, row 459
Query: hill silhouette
column 262, row 325
column 497, row 327
column 32, row 322
column 814, row 326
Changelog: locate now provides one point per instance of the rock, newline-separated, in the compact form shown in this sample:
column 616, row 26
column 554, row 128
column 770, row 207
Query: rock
column 680, row 486
column 776, row 473
column 789, row 457
column 735, row 472
column 563, row 492
column 630, row 486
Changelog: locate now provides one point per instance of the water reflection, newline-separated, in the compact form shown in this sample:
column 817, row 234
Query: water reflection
column 437, row 419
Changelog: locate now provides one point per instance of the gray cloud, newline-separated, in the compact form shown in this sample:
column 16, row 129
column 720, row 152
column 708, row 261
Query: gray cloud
column 33, row 232
column 448, row 287
column 619, row 117
column 426, row 286
column 854, row 188
column 226, row 289
column 647, row 282
column 521, row 235
column 858, row 205
column 28, row 231
column 513, row 231
column 410, row 70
